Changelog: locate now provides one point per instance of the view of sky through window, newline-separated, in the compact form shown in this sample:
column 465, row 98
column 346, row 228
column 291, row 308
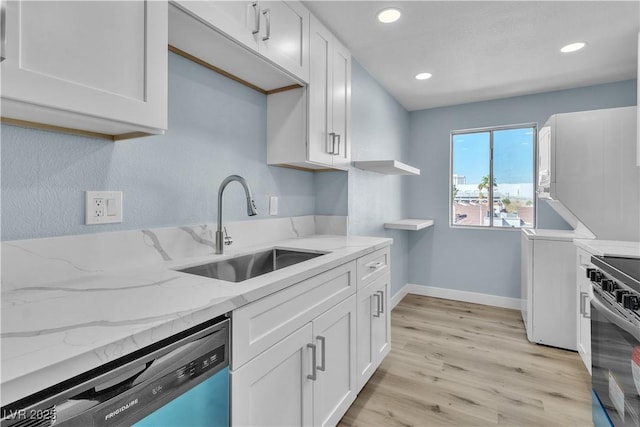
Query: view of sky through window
column 512, row 170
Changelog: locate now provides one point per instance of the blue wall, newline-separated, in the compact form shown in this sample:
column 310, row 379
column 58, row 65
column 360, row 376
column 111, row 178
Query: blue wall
column 484, row 261
column 217, row 127
column 379, row 131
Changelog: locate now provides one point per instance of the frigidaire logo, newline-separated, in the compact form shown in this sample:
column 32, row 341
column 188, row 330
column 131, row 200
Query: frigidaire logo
column 121, row 409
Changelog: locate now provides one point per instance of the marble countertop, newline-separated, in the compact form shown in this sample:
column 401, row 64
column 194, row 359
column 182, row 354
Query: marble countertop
column 609, row 247
column 55, row 329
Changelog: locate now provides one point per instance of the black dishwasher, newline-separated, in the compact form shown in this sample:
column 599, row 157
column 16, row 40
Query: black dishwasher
column 179, row 381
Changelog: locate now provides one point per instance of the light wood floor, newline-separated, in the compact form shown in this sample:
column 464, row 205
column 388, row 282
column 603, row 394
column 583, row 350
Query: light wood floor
column 454, row 363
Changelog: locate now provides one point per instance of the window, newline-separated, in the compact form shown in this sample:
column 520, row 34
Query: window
column 492, row 177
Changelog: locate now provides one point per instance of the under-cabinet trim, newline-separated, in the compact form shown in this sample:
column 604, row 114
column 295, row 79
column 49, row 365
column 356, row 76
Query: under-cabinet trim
column 227, row 74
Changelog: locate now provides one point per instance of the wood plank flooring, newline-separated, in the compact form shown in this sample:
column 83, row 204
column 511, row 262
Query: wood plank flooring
column 455, row 363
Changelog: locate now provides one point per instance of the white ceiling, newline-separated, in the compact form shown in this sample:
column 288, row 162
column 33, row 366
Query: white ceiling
column 480, row 50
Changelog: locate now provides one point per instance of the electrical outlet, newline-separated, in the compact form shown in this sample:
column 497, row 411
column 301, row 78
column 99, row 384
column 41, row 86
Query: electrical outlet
column 98, row 207
column 103, row 207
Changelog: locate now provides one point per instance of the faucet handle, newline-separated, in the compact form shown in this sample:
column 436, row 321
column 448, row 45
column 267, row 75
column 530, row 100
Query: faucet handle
column 227, row 239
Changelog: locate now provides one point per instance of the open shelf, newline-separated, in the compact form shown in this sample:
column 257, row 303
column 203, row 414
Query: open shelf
column 409, row 224
column 387, row 167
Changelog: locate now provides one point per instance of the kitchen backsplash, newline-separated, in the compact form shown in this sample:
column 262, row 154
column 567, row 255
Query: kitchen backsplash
column 35, row 262
column 217, row 127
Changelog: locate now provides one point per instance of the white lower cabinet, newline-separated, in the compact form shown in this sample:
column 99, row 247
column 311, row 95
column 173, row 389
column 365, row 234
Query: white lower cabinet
column 273, row 389
column 308, row 378
column 584, row 294
column 374, row 328
column 301, row 355
column 335, row 388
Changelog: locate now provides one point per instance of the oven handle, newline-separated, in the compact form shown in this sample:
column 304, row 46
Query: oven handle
column 599, row 304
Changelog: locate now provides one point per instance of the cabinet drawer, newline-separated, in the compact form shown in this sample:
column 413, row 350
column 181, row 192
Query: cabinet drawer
column 259, row 325
column 373, row 266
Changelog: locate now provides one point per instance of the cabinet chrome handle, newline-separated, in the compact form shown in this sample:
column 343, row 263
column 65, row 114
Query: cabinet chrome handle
column 322, row 355
column 331, row 143
column 3, row 30
column 267, row 18
column 377, row 295
column 374, row 265
column 381, row 301
column 314, row 374
column 338, row 150
column 256, row 17
column 584, row 296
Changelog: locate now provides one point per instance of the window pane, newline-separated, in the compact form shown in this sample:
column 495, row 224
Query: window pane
column 470, row 164
column 513, row 172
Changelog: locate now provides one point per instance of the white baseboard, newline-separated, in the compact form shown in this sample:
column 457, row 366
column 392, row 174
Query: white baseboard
column 456, row 295
column 395, row 299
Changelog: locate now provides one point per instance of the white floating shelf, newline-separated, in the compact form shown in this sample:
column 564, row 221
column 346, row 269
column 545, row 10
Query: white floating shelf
column 387, row 167
column 409, row 224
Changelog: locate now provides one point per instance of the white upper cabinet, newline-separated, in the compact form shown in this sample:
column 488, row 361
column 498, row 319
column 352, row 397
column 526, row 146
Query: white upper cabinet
column 236, row 19
column 95, row 66
column 340, row 106
column 283, row 36
column 309, row 128
column 274, row 30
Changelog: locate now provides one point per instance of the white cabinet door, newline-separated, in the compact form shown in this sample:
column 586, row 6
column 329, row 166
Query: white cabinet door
column 309, row 128
column 277, row 30
column 374, row 328
column 237, row 19
column 284, row 36
column 381, row 325
column 274, row 388
column 335, row 388
column 583, row 309
column 98, row 66
column 341, row 104
column 329, row 99
column 320, row 116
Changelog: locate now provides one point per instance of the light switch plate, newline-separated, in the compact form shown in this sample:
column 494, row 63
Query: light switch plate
column 103, row 207
column 273, row 205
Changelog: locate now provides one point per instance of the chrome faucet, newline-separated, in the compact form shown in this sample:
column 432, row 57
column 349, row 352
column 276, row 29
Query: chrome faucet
column 251, row 210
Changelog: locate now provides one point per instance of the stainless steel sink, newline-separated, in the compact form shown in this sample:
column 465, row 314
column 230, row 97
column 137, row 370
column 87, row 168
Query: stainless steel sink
column 246, row 267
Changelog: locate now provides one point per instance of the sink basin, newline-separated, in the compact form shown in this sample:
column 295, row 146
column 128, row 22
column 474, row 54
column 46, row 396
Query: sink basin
column 246, row 267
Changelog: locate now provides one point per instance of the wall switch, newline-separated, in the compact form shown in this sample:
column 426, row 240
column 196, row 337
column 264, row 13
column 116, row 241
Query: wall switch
column 273, row 205
column 103, row 207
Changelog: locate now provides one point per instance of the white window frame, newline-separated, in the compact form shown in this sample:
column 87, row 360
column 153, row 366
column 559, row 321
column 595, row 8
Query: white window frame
column 491, row 130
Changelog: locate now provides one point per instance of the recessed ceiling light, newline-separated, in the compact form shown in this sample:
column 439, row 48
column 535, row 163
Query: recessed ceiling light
column 423, row 76
column 573, row 47
column 388, row 16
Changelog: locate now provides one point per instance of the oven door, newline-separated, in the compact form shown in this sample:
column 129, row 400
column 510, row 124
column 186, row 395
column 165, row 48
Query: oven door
column 615, row 362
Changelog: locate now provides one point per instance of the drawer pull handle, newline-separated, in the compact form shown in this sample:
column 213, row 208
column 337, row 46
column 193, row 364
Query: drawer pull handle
column 331, row 143
column 3, row 30
column 374, row 265
column 377, row 295
column 584, row 298
column 314, row 374
column 267, row 18
column 322, row 355
column 381, row 301
column 256, row 16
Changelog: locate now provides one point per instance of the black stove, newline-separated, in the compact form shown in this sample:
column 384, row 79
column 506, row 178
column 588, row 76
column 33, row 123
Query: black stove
column 627, row 270
column 615, row 338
